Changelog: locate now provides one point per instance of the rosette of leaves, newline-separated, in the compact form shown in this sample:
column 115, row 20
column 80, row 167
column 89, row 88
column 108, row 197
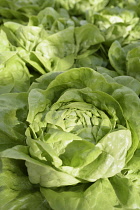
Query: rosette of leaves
column 82, row 132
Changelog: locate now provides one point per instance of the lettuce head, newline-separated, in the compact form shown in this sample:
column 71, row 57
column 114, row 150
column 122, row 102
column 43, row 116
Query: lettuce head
column 83, row 130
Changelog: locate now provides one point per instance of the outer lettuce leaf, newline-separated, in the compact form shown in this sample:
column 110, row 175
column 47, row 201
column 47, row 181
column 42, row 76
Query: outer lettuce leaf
column 126, row 191
column 87, row 36
column 105, row 71
column 131, row 170
column 90, row 61
column 123, row 194
column 117, row 58
column 13, row 113
column 16, row 191
column 130, row 82
column 5, row 44
column 83, row 196
column 133, row 63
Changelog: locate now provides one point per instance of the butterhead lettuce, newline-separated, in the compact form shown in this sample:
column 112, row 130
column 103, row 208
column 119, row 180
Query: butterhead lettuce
column 82, row 132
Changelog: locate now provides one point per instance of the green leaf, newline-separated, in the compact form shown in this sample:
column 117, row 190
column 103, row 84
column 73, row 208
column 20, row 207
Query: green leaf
column 133, row 63
column 82, row 196
column 16, row 190
column 130, row 82
column 86, row 36
column 117, row 58
column 13, row 113
column 126, row 191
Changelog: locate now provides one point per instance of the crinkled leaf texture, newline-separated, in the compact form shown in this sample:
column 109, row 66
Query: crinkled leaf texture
column 16, row 191
column 13, row 114
column 115, row 193
column 83, row 130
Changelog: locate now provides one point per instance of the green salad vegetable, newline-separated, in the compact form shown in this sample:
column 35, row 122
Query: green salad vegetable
column 69, row 105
